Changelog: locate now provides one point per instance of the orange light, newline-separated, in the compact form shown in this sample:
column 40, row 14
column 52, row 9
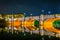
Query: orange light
column 29, row 24
column 48, row 25
column 16, row 23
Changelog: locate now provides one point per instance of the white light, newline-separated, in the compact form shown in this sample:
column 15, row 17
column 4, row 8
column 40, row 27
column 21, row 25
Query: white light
column 24, row 13
column 49, row 12
column 24, row 34
column 30, row 14
column 42, row 10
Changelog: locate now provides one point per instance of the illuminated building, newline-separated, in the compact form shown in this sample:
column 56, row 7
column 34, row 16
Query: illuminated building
column 45, row 24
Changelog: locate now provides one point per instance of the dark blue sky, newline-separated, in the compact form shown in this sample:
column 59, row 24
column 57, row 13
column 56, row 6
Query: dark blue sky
column 29, row 6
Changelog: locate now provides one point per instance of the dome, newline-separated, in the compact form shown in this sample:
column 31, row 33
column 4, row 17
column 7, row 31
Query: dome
column 56, row 24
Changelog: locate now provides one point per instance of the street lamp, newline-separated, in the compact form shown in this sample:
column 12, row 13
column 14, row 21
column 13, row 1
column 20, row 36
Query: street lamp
column 31, row 30
column 24, row 27
column 42, row 29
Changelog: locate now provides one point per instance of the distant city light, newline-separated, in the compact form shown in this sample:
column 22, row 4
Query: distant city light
column 49, row 12
column 31, row 14
column 42, row 10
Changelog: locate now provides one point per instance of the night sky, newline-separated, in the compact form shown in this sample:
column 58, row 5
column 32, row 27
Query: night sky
column 33, row 7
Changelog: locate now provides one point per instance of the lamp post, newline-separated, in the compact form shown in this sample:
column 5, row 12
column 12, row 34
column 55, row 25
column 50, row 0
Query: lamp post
column 42, row 22
column 12, row 23
column 22, row 26
column 31, row 30
column 49, row 12
column 7, row 18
